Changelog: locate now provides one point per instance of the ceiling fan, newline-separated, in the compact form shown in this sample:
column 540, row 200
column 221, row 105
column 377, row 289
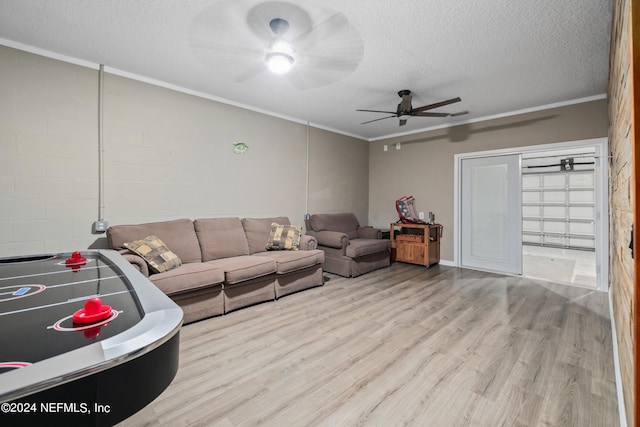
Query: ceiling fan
column 406, row 110
column 308, row 46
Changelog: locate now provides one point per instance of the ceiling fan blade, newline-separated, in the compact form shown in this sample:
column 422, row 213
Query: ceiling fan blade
column 330, row 26
column 330, row 63
column 403, row 122
column 297, row 79
column 460, row 113
column 425, row 114
column 378, row 111
column 250, row 73
column 215, row 48
column 437, row 104
column 375, row 120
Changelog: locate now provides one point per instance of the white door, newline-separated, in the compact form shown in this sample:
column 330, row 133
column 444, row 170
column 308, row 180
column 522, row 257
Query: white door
column 491, row 213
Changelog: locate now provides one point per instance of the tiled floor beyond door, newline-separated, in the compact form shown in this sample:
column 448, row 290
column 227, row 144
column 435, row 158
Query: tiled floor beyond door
column 560, row 265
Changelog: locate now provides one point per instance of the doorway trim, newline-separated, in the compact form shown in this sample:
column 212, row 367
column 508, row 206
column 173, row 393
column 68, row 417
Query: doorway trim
column 601, row 146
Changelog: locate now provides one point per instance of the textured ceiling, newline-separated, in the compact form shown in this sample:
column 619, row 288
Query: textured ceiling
column 499, row 56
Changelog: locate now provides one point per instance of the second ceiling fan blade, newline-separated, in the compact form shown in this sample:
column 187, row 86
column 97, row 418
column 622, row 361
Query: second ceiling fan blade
column 437, row 104
column 378, row 111
column 375, row 120
column 425, row 114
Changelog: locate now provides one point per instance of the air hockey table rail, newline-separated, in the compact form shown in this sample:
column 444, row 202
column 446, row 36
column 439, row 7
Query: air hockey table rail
column 55, row 370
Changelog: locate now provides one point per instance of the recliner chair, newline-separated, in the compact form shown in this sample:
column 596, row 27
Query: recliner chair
column 350, row 250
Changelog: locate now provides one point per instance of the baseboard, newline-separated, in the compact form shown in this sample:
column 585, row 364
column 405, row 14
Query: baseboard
column 616, row 364
column 447, row 263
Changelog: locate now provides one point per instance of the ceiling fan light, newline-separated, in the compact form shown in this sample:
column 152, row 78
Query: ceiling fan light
column 279, row 63
column 404, row 116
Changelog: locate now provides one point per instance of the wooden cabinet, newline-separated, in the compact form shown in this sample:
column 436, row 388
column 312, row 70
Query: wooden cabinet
column 415, row 243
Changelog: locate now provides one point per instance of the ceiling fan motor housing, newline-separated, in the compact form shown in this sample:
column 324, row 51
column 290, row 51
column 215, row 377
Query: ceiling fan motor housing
column 279, row 26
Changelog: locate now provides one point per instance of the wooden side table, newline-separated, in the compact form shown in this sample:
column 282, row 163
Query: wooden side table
column 415, row 243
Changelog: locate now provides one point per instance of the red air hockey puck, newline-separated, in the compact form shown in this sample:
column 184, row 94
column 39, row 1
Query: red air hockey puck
column 92, row 312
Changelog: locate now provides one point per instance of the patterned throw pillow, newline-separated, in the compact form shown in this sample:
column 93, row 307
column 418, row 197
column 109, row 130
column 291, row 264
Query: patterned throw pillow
column 284, row 237
column 155, row 253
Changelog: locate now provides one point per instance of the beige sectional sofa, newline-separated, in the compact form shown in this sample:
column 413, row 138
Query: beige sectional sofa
column 224, row 264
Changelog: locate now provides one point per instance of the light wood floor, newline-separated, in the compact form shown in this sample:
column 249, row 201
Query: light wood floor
column 403, row 345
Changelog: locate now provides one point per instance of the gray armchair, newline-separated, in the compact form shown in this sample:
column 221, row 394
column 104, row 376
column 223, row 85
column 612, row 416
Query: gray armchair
column 350, row 250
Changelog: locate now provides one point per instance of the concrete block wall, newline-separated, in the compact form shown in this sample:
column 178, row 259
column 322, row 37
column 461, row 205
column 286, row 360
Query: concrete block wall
column 48, row 183
column 167, row 154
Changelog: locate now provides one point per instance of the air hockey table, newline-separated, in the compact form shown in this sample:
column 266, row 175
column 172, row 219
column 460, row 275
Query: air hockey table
column 59, row 369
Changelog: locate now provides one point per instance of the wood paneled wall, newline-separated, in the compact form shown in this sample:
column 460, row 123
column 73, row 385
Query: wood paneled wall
column 621, row 137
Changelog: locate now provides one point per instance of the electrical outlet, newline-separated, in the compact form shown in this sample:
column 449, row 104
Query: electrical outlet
column 421, row 215
column 100, row 226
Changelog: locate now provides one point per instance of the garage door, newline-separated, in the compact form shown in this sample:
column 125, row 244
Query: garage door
column 558, row 200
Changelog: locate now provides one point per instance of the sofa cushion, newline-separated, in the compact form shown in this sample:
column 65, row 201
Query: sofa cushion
column 188, row 277
column 287, row 261
column 246, row 267
column 360, row 247
column 221, row 238
column 179, row 235
column 257, row 231
column 284, row 237
column 155, row 253
column 343, row 222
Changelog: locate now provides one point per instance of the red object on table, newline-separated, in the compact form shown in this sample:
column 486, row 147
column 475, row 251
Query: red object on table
column 92, row 312
column 76, row 259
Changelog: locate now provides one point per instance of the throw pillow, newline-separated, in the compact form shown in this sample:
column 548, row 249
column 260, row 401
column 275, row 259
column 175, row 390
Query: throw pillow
column 284, row 237
column 155, row 253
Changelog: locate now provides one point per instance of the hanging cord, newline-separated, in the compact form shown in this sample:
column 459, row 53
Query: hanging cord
column 100, row 145
column 306, row 198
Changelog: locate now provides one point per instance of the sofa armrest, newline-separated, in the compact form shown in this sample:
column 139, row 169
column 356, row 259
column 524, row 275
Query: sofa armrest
column 331, row 239
column 137, row 261
column 369, row 233
column 308, row 243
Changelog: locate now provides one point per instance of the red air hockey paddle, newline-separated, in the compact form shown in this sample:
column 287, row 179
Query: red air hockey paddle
column 76, row 259
column 92, row 312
